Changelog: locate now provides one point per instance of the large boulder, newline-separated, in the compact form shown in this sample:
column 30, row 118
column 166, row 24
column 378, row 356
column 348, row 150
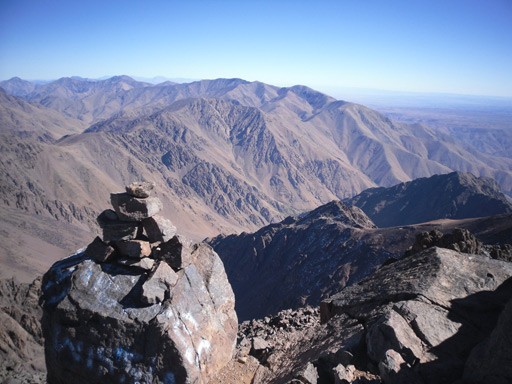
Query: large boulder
column 424, row 315
column 111, row 323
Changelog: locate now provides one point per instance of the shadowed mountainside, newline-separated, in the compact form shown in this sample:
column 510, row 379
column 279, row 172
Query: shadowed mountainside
column 306, row 258
column 452, row 196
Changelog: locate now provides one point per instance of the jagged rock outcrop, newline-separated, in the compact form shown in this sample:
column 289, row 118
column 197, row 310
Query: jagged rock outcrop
column 460, row 240
column 299, row 260
column 135, row 307
column 306, row 258
column 429, row 310
column 455, row 195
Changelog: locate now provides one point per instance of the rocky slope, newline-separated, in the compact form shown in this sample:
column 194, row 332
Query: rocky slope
column 432, row 317
column 454, row 196
column 21, row 337
column 306, row 258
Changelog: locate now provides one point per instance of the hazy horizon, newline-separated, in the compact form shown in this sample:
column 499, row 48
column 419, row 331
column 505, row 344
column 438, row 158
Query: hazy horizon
column 456, row 47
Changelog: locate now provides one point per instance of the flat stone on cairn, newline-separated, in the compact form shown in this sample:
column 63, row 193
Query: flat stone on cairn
column 141, row 189
column 115, row 229
column 158, row 228
column 130, row 208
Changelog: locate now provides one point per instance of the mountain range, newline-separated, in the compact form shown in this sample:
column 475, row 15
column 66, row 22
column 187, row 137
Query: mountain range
column 267, row 168
column 227, row 155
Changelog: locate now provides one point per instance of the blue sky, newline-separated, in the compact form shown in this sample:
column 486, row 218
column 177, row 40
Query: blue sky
column 449, row 46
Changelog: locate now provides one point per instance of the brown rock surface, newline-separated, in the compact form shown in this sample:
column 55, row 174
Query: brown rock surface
column 140, row 189
column 21, row 350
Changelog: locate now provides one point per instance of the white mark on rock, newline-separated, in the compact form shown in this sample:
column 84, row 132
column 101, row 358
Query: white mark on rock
column 204, row 345
column 190, row 319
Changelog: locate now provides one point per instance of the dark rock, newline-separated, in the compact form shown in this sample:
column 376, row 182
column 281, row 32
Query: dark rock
column 140, row 189
column 158, row 286
column 172, row 252
column 130, row 208
column 425, row 240
column 459, row 240
column 115, row 229
column 491, row 360
column 98, row 327
column 500, row 252
column 158, row 229
column 344, row 357
column 133, row 249
column 99, row 251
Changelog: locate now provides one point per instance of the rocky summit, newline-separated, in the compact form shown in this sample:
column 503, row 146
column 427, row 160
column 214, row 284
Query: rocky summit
column 438, row 316
column 140, row 304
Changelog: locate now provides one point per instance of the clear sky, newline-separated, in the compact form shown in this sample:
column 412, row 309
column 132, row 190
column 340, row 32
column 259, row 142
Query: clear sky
column 453, row 46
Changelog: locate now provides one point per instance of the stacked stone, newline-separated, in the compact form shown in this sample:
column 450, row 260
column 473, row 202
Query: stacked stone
column 134, row 235
column 139, row 304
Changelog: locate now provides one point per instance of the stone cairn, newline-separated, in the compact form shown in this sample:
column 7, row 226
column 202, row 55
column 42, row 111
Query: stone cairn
column 135, row 235
column 139, row 304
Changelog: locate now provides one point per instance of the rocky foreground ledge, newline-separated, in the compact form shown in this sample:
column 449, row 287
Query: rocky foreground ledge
column 437, row 316
column 139, row 305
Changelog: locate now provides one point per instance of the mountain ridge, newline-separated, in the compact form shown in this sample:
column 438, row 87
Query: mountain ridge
column 455, row 196
column 304, row 258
